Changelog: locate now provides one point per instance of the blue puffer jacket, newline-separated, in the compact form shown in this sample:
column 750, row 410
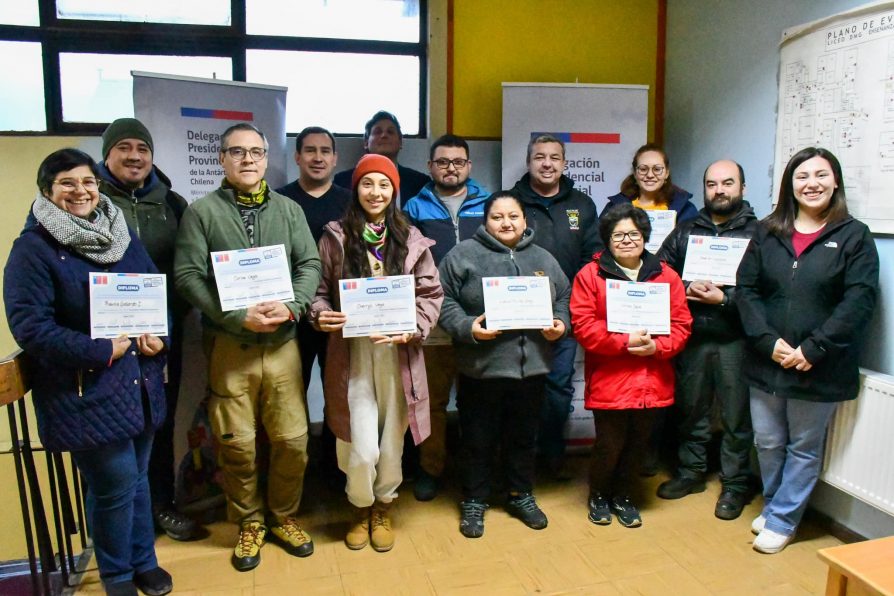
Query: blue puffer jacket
column 679, row 202
column 81, row 401
column 428, row 213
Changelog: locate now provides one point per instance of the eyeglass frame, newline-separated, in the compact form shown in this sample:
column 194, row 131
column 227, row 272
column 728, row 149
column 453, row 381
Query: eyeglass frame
column 446, row 166
column 628, row 235
column 246, row 151
column 643, row 170
column 72, row 184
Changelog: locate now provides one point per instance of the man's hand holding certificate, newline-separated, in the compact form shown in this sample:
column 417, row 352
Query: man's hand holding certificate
column 378, row 306
column 517, row 303
column 250, row 276
column 632, row 306
column 129, row 304
column 714, row 259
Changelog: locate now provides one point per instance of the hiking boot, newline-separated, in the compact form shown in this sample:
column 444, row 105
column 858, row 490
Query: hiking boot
column 292, row 538
column 155, row 582
column 247, row 553
column 626, row 512
column 175, row 524
column 380, row 533
column 426, row 486
column 358, row 534
column 680, row 486
column 525, row 508
column 471, row 522
column 730, row 504
column 770, row 542
column 600, row 510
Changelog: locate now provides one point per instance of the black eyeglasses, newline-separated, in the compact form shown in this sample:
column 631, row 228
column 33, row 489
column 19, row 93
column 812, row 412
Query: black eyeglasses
column 634, row 236
column 444, row 163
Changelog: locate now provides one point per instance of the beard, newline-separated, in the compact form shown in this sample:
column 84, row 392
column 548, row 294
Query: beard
column 723, row 208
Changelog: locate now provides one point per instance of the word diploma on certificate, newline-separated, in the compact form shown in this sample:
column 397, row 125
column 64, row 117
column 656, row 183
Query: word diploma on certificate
column 714, row 259
column 663, row 223
column 249, row 276
column 517, row 303
column 127, row 304
column 634, row 305
column 378, row 305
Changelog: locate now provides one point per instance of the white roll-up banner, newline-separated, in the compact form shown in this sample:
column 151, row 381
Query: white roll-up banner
column 602, row 126
column 186, row 116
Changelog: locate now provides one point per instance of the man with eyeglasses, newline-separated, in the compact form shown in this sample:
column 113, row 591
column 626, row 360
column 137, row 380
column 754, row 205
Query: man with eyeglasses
column 710, row 367
column 565, row 223
column 252, row 352
column 448, row 209
column 382, row 136
column 152, row 210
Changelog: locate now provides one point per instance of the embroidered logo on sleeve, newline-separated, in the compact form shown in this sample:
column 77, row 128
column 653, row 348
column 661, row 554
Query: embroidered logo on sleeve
column 573, row 218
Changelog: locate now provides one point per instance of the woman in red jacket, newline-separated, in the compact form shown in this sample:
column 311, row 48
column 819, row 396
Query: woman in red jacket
column 629, row 376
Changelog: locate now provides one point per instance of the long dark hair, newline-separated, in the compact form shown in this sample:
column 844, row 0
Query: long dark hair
column 354, row 221
column 630, row 186
column 782, row 220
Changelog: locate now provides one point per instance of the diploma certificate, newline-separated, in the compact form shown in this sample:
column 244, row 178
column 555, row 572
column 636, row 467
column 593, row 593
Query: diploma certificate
column 378, row 305
column 127, row 304
column 517, row 303
column 714, row 259
column 663, row 222
column 248, row 276
column 632, row 305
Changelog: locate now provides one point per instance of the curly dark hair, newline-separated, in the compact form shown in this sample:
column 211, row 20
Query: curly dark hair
column 610, row 218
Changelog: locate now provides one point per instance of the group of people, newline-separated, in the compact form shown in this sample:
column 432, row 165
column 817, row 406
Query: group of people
column 777, row 350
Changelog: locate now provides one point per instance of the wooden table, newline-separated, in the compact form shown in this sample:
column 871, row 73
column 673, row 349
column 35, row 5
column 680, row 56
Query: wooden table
column 860, row 568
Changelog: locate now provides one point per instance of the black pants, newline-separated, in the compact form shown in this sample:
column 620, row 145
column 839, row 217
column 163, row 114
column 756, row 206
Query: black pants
column 621, row 440
column 498, row 414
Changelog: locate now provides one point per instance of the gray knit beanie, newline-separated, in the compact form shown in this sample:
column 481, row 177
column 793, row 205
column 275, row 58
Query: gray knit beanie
column 125, row 128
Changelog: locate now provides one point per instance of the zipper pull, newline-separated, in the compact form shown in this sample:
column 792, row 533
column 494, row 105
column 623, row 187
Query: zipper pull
column 795, row 265
column 80, row 383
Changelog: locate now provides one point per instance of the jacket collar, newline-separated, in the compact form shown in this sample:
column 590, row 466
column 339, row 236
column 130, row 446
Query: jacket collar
column 738, row 220
column 608, row 267
column 523, row 187
column 483, row 237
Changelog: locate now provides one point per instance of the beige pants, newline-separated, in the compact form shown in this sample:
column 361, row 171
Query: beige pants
column 378, row 409
column 252, row 384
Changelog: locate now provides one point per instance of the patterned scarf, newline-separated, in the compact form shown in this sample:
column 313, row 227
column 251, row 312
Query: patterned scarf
column 249, row 199
column 374, row 235
column 103, row 240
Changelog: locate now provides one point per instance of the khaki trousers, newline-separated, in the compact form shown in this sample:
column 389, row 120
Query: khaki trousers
column 250, row 385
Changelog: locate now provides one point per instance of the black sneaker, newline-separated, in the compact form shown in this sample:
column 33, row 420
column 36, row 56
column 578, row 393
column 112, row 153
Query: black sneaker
column 525, row 508
column 680, row 486
column 125, row 588
column 175, row 524
column 155, row 582
column 426, row 486
column 626, row 512
column 471, row 524
column 600, row 510
column 730, row 504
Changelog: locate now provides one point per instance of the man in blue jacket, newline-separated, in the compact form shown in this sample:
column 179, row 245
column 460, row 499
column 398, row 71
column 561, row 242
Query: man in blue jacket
column 711, row 367
column 448, row 209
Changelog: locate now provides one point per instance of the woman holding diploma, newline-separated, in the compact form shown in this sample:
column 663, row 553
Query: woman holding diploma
column 501, row 373
column 374, row 386
column 807, row 287
column 101, row 399
column 629, row 376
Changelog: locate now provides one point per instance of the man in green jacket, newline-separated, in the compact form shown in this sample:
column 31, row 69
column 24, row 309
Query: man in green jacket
column 253, row 355
column 152, row 210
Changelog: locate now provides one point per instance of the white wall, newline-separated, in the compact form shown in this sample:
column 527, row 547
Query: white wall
column 721, row 87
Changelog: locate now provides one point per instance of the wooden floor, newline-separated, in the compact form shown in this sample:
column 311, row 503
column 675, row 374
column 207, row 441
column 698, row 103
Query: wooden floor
column 681, row 549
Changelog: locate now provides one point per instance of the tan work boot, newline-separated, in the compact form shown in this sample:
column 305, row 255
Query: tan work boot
column 358, row 534
column 381, row 534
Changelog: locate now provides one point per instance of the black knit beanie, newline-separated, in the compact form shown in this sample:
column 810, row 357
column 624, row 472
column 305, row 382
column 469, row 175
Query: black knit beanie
column 125, row 128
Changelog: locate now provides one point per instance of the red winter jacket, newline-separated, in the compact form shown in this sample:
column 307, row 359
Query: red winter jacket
column 616, row 379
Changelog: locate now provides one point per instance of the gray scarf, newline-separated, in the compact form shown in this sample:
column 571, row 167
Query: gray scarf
column 103, row 240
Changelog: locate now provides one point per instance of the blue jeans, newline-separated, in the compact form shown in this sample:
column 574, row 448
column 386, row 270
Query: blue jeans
column 119, row 508
column 558, row 394
column 789, row 435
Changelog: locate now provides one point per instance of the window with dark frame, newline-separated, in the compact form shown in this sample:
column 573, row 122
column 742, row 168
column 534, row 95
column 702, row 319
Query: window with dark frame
column 69, row 61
